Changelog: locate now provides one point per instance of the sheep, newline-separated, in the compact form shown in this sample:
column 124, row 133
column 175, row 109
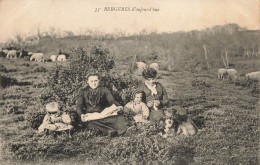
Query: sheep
column 154, row 66
column 141, row 66
column 53, row 58
column 232, row 74
column 5, row 51
column 222, row 73
column 61, row 57
column 37, row 57
column 254, row 76
column 12, row 54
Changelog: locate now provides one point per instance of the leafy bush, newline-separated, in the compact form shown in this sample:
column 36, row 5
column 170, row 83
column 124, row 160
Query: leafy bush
column 255, row 91
column 6, row 81
column 40, row 69
column 10, row 108
column 13, row 108
column 64, row 83
column 200, row 82
column 252, row 84
column 3, row 68
column 34, row 119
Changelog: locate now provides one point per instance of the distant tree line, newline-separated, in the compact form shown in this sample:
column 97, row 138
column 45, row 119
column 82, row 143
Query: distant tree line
column 201, row 48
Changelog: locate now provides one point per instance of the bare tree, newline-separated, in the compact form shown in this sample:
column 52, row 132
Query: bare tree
column 206, row 55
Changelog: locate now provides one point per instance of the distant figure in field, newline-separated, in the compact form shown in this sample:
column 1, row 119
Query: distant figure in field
column 2, row 54
column 55, row 120
column 23, row 54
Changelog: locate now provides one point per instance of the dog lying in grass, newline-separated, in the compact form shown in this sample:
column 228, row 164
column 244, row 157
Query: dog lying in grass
column 180, row 121
column 187, row 129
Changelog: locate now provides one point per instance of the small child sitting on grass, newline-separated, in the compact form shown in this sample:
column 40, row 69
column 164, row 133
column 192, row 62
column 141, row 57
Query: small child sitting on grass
column 55, row 120
column 137, row 108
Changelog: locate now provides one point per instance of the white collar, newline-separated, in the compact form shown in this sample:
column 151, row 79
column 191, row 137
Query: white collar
column 152, row 88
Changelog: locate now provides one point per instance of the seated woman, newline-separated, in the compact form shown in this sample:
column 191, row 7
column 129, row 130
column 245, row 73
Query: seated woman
column 155, row 94
column 98, row 109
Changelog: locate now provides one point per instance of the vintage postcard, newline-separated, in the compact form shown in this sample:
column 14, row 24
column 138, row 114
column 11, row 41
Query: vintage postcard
column 129, row 81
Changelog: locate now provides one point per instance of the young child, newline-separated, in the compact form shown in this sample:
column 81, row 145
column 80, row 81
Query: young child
column 55, row 120
column 137, row 108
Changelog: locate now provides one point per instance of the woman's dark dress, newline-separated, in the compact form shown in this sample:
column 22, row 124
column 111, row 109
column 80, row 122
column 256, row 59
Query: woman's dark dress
column 155, row 115
column 96, row 100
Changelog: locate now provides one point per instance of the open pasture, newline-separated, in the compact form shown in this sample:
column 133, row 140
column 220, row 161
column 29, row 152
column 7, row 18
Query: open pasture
column 226, row 116
column 226, row 112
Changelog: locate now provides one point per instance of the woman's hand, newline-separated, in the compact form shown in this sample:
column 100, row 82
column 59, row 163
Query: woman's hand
column 120, row 108
column 91, row 116
column 150, row 104
column 82, row 116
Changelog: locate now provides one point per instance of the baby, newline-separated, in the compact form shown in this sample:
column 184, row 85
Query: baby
column 138, row 108
column 55, row 120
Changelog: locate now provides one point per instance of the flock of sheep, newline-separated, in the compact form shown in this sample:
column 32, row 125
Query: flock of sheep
column 141, row 66
column 223, row 73
column 232, row 74
column 39, row 57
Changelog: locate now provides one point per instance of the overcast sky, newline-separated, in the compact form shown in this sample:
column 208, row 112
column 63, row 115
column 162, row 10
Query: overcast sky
column 25, row 16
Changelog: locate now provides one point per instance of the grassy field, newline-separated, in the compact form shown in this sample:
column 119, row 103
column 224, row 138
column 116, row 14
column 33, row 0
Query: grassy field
column 226, row 115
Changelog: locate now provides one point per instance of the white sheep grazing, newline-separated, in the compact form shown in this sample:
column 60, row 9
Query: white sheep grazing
column 254, row 76
column 222, row 73
column 5, row 51
column 61, row 58
column 154, row 66
column 141, row 66
column 232, row 74
column 53, row 58
column 12, row 54
column 37, row 57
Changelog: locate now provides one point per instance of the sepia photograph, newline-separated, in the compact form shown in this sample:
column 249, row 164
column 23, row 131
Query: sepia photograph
column 163, row 82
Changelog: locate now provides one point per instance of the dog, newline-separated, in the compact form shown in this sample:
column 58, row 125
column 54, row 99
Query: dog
column 187, row 129
column 179, row 120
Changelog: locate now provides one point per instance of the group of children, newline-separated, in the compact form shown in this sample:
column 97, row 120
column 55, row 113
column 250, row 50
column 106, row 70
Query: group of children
column 56, row 120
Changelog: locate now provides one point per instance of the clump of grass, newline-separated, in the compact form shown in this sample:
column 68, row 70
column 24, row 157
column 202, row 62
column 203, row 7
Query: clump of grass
column 7, row 81
column 26, row 64
column 3, row 68
column 40, row 69
column 34, row 119
column 200, row 82
column 253, row 85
